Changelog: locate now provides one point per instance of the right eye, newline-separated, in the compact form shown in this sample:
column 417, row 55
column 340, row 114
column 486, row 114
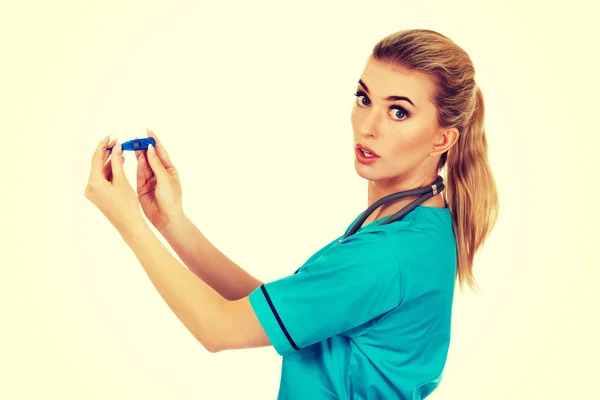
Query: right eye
column 361, row 99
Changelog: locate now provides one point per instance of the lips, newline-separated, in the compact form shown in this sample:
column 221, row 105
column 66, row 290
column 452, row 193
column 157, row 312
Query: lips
column 365, row 155
column 368, row 152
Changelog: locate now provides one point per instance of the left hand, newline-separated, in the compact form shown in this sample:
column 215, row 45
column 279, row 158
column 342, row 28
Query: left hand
column 108, row 188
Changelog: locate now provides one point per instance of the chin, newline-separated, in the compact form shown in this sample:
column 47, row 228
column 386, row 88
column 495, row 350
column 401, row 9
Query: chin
column 374, row 174
column 367, row 172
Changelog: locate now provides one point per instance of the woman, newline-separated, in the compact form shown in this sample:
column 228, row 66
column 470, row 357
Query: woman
column 368, row 315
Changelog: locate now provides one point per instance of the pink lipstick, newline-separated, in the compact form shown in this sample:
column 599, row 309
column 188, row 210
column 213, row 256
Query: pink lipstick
column 365, row 155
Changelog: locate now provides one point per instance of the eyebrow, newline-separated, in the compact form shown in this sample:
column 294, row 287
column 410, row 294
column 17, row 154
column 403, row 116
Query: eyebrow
column 389, row 98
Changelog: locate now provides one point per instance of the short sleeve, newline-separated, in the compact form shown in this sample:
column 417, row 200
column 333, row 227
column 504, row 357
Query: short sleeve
column 350, row 284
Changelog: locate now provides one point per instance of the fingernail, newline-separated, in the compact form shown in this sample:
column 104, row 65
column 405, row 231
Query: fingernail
column 118, row 148
column 151, row 148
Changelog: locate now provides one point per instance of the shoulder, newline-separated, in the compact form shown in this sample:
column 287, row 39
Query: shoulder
column 426, row 229
column 424, row 245
column 365, row 249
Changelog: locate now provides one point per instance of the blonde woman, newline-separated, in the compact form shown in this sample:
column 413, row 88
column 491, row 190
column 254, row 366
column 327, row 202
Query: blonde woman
column 368, row 315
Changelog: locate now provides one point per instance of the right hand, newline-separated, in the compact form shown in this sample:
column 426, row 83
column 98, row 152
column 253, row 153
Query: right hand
column 158, row 186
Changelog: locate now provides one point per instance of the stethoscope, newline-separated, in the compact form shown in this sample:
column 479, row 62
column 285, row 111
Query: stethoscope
column 425, row 193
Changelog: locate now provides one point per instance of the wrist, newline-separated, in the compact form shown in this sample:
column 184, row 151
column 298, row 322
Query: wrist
column 173, row 223
column 133, row 226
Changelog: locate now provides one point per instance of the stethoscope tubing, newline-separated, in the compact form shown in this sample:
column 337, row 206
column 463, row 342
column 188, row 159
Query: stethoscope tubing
column 425, row 193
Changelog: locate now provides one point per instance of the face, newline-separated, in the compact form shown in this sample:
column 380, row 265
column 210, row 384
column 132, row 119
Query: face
column 394, row 117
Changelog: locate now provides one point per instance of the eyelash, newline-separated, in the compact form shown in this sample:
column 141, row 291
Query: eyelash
column 393, row 107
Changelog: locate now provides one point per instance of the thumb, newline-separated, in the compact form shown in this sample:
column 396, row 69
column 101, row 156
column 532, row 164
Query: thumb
column 116, row 160
column 144, row 172
column 157, row 167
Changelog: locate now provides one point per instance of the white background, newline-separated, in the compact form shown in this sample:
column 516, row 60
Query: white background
column 252, row 101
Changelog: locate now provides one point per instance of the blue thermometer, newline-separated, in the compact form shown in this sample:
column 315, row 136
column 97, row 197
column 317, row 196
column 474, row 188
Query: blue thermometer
column 136, row 144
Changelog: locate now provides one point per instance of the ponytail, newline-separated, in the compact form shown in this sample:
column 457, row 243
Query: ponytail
column 470, row 187
column 471, row 191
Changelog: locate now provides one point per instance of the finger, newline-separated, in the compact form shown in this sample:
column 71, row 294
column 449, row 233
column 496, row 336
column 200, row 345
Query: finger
column 106, row 153
column 157, row 167
column 96, row 171
column 138, row 153
column 144, row 172
column 108, row 169
column 116, row 163
column 160, row 150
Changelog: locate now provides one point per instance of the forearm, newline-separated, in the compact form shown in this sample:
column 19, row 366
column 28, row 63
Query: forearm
column 206, row 261
column 195, row 303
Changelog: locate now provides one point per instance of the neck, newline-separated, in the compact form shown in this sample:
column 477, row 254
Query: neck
column 379, row 189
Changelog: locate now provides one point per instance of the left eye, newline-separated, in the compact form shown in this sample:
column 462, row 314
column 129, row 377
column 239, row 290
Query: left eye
column 398, row 113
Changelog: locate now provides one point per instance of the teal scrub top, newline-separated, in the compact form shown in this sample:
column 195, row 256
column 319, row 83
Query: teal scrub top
column 369, row 316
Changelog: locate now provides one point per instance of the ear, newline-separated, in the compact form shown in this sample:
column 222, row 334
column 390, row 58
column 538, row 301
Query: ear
column 446, row 138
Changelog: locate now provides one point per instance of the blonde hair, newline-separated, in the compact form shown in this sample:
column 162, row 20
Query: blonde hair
column 471, row 191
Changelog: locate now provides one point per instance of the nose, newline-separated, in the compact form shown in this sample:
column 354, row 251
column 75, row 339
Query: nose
column 369, row 127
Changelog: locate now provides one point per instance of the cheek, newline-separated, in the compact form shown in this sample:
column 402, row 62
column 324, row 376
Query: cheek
column 409, row 142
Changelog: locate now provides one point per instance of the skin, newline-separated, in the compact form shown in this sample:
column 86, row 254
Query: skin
column 409, row 140
column 216, row 322
column 215, row 308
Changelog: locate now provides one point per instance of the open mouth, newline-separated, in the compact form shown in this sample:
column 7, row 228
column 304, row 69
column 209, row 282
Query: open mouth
column 367, row 154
